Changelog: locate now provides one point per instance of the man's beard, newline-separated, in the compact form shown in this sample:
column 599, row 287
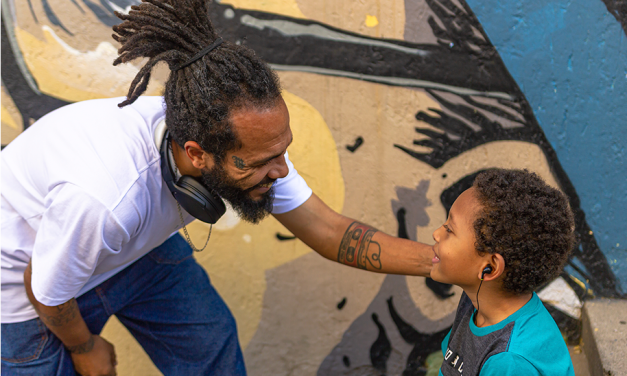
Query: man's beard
column 248, row 209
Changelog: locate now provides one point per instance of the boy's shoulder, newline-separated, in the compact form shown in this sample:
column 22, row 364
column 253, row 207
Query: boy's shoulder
column 537, row 339
column 528, row 342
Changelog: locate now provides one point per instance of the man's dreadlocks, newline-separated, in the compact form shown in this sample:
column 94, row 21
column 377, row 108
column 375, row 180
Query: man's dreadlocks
column 199, row 98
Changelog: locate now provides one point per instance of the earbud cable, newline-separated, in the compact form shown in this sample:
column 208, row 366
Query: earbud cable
column 476, row 313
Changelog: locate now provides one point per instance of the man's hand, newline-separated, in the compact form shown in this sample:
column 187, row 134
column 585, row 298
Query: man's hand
column 96, row 357
column 91, row 354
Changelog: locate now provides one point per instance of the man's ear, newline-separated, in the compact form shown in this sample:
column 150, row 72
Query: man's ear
column 199, row 158
column 497, row 263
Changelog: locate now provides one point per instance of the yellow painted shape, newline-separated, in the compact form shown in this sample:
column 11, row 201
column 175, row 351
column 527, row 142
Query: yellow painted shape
column 285, row 7
column 72, row 75
column 11, row 119
column 371, row 21
column 238, row 257
column 8, row 119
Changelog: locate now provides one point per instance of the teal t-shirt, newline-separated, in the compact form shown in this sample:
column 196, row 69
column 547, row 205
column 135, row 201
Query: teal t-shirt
column 526, row 343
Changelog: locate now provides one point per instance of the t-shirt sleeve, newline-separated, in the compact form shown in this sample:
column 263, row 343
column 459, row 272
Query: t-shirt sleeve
column 444, row 344
column 291, row 191
column 508, row 364
column 75, row 231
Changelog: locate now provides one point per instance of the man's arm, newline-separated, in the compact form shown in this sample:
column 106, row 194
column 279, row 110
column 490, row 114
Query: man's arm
column 91, row 354
column 344, row 240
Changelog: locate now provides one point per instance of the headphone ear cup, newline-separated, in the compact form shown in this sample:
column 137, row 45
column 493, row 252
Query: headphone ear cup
column 189, row 192
column 198, row 201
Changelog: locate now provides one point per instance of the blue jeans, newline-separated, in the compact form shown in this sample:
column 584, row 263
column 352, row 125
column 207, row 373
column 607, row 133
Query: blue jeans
column 164, row 299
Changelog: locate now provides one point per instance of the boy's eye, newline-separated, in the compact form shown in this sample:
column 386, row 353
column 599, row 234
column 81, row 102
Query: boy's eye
column 447, row 229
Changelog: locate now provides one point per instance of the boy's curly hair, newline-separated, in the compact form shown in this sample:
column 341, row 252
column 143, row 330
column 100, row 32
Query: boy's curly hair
column 526, row 221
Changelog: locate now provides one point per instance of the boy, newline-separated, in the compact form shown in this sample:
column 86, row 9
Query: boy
column 511, row 233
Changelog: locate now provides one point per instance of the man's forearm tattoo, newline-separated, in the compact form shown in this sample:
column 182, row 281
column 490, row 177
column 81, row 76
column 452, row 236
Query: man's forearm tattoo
column 357, row 248
column 64, row 313
column 239, row 162
column 83, row 347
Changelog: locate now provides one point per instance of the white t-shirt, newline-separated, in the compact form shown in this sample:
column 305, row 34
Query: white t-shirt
column 82, row 194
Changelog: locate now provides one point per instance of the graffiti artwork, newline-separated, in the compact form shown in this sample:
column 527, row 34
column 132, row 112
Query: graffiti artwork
column 391, row 123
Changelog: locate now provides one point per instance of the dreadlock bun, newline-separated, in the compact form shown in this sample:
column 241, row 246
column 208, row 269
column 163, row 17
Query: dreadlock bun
column 200, row 97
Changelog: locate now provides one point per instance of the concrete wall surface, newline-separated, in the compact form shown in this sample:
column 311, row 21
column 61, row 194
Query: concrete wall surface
column 605, row 336
column 395, row 106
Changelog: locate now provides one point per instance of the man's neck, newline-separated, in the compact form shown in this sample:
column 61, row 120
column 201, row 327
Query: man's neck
column 496, row 306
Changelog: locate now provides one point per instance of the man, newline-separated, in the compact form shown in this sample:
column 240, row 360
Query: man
column 91, row 195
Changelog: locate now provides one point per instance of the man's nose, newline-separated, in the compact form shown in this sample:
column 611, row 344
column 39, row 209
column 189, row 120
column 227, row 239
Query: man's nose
column 279, row 168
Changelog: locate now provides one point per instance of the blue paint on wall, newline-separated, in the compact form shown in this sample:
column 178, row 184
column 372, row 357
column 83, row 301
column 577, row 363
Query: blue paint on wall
column 570, row 60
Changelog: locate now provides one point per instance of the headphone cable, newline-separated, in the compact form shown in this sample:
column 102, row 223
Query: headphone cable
column 476, row 313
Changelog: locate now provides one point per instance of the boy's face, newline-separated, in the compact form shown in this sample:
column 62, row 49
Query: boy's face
column 455, row 259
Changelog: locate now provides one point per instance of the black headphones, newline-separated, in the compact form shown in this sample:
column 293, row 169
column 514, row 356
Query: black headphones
column 201, row 203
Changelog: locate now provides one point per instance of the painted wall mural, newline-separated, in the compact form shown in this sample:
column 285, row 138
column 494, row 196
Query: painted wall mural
column 396, row 105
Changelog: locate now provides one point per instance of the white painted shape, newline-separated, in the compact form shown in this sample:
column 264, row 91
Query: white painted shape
column 105, row 50
column 247, row 238
column 120, row 9
column 559, row 294
column 229, row 220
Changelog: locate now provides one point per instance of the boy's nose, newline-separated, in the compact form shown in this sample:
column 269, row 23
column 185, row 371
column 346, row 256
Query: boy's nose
column 437, row 234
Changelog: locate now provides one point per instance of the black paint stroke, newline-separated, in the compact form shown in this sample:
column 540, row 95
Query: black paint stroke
column 462, row 32
column 402, row 223
column 32, row 11
column 103, row 12
column 341, row 304
column 568, row 325
column 581, row 292
column 284, row 237
column 618, row 9
column 424, row 344
column 381, row 348
column 30, row 104
column 346, row 360
column 78, row 6
column 442, row 64
column 358, row 142
column 53, row 17
column 441, row 290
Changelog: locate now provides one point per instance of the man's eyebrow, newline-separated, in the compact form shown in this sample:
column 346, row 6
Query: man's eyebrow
column 263, row 161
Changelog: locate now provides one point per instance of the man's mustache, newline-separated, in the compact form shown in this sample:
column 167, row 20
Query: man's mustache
column 264, row 181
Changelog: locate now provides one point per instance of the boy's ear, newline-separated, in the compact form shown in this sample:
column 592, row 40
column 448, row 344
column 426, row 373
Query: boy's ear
column 497, row 264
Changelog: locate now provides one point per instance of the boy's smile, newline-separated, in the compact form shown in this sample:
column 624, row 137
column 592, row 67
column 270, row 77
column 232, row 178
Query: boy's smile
column 455, row 259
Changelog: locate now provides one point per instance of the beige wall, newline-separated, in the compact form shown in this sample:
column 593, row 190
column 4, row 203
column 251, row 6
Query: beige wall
column 285, row 298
